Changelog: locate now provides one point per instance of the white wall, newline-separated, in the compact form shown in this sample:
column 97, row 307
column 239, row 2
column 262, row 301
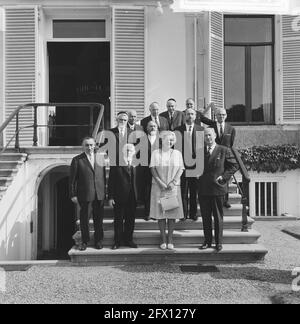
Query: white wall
column 19, row 207
column 165, row 58
column 288, row 191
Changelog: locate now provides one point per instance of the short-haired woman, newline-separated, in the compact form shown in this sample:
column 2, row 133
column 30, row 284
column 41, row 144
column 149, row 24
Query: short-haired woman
column 167, row 167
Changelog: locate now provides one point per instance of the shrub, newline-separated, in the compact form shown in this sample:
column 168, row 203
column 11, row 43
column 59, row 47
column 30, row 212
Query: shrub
column 271, row 159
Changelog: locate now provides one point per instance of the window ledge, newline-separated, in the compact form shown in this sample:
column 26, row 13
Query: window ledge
column 267, row 127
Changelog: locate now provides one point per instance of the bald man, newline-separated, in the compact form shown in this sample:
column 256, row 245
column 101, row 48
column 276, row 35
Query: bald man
column 219, row 166
column 161, row 122
column 132, row 121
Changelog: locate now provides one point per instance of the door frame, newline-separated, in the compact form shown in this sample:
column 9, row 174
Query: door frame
column 47, row 15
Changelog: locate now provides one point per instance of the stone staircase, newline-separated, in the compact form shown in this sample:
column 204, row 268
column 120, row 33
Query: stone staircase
column 239, row 247
column 9, row 166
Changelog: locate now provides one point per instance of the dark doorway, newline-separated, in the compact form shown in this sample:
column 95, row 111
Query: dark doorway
column 78, row 72
column 66, row 219
column 57, row 216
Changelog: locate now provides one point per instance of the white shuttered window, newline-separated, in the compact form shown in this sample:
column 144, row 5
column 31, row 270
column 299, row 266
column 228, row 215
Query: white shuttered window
column 216, row 58
column 291, row 70
column 129, row 60
column 20, row 67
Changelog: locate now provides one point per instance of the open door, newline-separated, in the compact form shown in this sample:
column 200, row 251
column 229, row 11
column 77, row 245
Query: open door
column 78, row 72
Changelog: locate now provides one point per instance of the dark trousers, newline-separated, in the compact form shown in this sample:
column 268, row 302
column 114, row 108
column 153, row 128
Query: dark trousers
column 125, row 220
column 97, row 209
column 147, row 190
column 189, row 189
column 212, row 206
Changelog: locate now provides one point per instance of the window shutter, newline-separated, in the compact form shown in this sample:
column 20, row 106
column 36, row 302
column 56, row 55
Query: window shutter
column 216, row 58
column 291, row 70
column 20, row 68
column 129, row 60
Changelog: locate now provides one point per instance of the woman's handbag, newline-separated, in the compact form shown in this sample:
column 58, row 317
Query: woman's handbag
column 169, row 203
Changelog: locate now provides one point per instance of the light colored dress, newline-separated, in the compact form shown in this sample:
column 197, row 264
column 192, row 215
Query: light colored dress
column 167, row 164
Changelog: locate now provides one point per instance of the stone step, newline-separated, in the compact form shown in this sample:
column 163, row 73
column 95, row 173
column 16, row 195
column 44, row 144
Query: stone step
column 181, row 238
column 2, row 191
column 8, row 172
column 13, row 157
column 5, row 181
column 235, row 210
column 182, row 256
column 234, row 198
column 10, row 164
column 234, row 223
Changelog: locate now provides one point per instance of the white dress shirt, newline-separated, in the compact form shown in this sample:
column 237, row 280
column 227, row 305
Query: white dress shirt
column 156, row 120
column 211, row 149
column 152, row 139
column 91, row 159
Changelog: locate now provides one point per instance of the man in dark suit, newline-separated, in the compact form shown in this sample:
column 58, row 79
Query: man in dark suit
column 174, row 117
column 161, row 122
column 122, row 194
column 122, row 134
column 132, row 121
column 225, row 133
column 153, row 144
column 219, row 166
column 87, row 187
column 189, row 185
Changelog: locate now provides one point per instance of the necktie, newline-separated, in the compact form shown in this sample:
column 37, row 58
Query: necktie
column 221, row 131
column 209, row 151
column 157, row 122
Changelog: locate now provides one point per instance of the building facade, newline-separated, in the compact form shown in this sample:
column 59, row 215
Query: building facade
column 127, row 54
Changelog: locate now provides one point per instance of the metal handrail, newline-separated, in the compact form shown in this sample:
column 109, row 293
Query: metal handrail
column 245, row 183
column 35, row 126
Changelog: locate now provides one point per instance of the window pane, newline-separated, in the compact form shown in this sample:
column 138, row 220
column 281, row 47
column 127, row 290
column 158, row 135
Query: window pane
column 248, row 30
column 262, row 88
column 235, row 100
column 79, row 29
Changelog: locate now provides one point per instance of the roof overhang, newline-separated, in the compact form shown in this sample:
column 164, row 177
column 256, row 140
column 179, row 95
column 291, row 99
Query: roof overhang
column 239, row 6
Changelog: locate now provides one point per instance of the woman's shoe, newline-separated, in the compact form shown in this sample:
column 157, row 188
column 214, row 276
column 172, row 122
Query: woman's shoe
column 171, row 247
column 163, row 246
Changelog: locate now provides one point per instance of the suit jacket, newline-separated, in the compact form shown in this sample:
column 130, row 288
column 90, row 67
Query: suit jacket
column 163, row 123
column 87, row 183
column 121, row 182
column 182, row 129
column 221, row 163
column 136, row 128
column 128, row 139
column 178, row 119
column 229, row 132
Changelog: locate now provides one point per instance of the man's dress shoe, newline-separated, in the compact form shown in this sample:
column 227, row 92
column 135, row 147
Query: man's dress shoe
column 219, row 247
column 227, row 205
column 98, row 246
column 83, row 247
column 115, row 247
column 131, row 245
column 205, row 246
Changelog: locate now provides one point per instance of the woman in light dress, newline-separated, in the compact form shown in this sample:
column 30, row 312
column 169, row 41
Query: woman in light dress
column 167, row 167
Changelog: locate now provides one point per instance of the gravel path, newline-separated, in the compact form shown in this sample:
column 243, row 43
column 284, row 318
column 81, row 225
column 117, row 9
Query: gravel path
column 252, row 283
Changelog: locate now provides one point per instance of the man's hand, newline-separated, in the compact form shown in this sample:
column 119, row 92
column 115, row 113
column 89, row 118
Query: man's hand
column 75, row 200
column 111, row 202
column 171, row 186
